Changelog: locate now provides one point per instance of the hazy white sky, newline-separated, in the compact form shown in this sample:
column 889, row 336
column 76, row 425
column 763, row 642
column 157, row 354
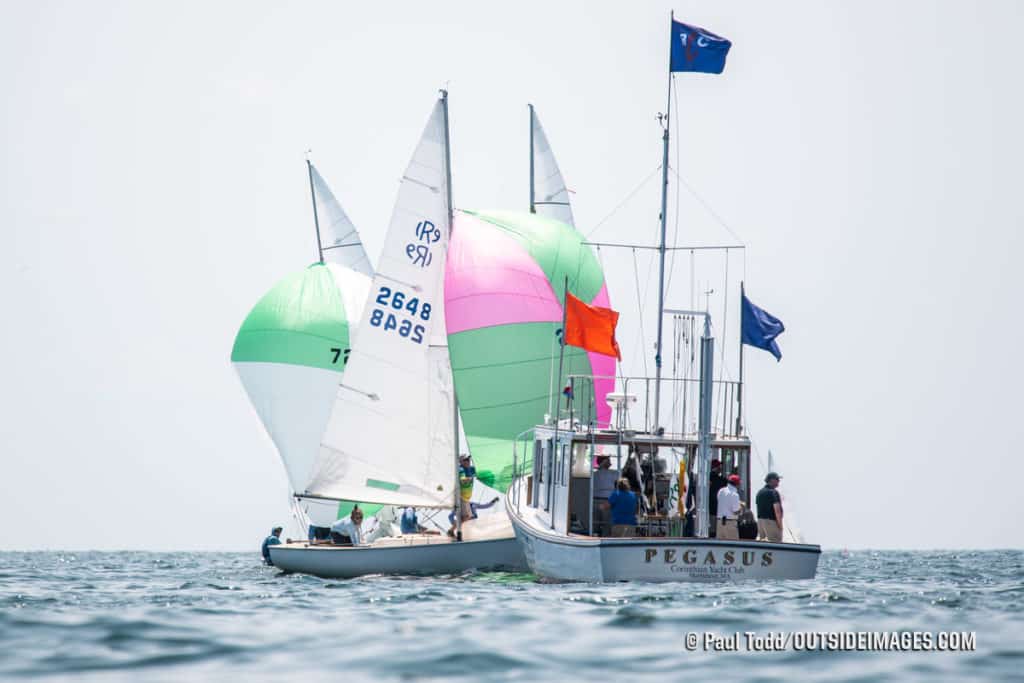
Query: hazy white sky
column 152, row 187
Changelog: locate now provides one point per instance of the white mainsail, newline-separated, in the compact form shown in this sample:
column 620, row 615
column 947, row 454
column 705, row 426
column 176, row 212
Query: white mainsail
column 386, row 438
column 549, row 196
column 341, row 243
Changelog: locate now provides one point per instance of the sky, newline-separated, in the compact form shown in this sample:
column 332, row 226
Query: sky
column 153, row 187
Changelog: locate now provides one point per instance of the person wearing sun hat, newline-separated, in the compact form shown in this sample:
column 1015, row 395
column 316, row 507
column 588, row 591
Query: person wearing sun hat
column 769, row 510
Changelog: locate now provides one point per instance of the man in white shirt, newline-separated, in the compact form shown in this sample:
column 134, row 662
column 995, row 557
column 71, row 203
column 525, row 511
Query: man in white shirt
column 728, row 509
column 604, row 483
column 348, row 530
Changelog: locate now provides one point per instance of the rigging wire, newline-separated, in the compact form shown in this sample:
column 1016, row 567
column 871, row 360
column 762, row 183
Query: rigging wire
column 676, row 343
column 600, row 261
column 675, row 218
column 707, row 207
column 624, row 201
column 640, row 306
column 725, row 325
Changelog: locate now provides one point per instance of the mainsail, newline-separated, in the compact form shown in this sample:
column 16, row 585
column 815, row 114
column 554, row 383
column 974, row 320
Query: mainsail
column 341, row 242
column 548, row 194
column 385, row 441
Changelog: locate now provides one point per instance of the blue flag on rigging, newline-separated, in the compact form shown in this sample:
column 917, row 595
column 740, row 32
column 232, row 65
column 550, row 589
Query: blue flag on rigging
column 694, row 49
column 759, row 328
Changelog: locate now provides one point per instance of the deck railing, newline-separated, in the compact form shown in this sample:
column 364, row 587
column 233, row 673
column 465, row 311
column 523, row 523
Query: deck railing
column 679, row 405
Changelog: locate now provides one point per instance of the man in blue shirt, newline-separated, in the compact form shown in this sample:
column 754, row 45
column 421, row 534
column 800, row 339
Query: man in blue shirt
column 623, row 506
column 273, row 539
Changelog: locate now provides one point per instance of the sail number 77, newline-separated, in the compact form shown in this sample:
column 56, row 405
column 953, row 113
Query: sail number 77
column 395, row 305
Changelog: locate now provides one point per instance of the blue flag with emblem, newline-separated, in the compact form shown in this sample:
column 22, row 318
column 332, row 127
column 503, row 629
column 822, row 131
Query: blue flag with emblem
column 759, row 328
column 694, row 49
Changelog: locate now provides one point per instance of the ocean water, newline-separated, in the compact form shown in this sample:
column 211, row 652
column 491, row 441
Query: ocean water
column 137, row 616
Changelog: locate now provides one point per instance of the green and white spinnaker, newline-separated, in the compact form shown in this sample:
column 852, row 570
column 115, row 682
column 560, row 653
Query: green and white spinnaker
column 291, row 350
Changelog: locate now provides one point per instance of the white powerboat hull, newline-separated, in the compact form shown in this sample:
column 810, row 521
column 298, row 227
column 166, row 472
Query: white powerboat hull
column 564, row 557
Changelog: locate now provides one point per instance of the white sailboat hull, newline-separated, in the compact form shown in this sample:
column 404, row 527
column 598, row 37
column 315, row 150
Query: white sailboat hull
column 563, row 557
column 407, row 555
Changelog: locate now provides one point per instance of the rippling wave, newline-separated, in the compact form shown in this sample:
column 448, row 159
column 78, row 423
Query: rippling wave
column 173, row 616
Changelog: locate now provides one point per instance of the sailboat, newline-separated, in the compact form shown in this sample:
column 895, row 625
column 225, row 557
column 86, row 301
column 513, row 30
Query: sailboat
column 393, row 433
column 552, row 500
column 292, row 347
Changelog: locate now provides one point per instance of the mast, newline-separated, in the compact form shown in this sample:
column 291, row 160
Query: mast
column 661, row 250
column 707, row 373
column 533, row 206
column 558, row 397
column 316, row 218
column 455, row 400
column 739, row 387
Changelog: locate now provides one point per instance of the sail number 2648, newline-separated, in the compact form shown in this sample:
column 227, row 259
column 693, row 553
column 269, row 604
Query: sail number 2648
column 395, row 306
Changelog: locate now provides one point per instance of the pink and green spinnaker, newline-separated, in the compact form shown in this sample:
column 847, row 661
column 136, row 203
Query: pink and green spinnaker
column 504, row 285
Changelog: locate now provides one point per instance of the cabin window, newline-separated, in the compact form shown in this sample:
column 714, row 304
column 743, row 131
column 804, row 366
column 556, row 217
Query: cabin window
column 538, row 469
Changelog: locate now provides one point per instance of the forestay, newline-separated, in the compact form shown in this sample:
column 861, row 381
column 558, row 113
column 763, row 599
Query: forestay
column 550, row 195
column 385, row 441
column 341, row 243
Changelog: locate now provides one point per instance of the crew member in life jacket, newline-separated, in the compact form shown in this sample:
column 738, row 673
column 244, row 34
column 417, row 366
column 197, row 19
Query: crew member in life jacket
column 467, row 475
column 273, row 539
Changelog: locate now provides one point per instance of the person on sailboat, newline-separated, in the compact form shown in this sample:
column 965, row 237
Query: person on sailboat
column 467, row 475
column 473, row 508
column 410, row 523
column 273, row 539
column 348, row 530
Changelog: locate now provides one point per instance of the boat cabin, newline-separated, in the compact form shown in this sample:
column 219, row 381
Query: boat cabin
column 570, row 470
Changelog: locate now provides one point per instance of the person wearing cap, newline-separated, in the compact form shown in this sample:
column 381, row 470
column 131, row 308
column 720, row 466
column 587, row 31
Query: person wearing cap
column 769, row 510
column 467, row 474
column 716, row 482
column 273, row 539
column 728, row 509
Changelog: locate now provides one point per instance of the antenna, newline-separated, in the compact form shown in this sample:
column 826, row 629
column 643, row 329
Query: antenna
column 707, row 299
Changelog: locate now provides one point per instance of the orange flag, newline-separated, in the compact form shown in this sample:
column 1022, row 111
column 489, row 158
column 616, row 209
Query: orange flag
column 591, row 327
